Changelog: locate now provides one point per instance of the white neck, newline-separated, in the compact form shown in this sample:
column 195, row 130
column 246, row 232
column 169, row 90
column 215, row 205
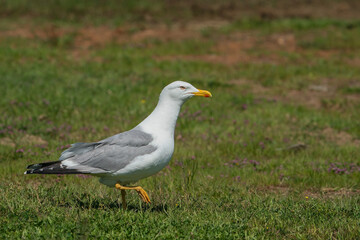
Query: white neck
column 163, row 118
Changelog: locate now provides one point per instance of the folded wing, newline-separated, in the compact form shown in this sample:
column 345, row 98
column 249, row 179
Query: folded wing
column 106, row 156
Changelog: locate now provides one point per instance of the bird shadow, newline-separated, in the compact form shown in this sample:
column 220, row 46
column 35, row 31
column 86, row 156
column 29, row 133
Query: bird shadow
column 147, row 207
column 98, row 204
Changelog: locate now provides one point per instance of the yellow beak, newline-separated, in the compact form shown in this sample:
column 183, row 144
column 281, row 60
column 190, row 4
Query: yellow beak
column 202, row 93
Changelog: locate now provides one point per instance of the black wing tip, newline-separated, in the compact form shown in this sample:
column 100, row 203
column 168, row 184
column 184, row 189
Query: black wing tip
column 54, row 167
column 41, row 165
column 33, row 166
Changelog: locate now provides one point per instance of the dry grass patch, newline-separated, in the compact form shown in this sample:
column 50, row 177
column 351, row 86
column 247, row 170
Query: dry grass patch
column 26, row 140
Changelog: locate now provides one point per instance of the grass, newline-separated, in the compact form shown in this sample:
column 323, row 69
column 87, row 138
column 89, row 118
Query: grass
column 239, row 170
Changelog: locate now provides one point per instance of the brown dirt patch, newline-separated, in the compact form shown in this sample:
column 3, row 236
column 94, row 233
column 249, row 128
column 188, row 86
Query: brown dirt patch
column 283, row 190
column 92, row 37
column 306, row 97
column 234, row 49
column 205, row 24
column 89, row 37
column 355, row 62
column 252, row 86
column 317, row 95
column 98, row 36
column 18, row 32
column 320, row 94
column 311, row 193
column 48, row 32
column 229, row 50
column 314, row 97
column 341, row 138
column 24, row 141
column 7, row 142
column 297, row 97
column 280, row 42
column 190, row 10
column 176, row 32
column 95, row 37
column 268, row 10
column 331, row 193
column 237, row 47
column 315, row 9
column 251, row 47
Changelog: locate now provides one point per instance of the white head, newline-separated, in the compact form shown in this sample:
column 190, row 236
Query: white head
column 163, row 118
column 182, row 91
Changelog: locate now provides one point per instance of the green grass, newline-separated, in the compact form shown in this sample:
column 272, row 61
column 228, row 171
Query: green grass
column 232, row 176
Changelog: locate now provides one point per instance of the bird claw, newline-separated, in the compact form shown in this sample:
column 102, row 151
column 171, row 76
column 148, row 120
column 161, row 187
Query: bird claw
column 143, row 195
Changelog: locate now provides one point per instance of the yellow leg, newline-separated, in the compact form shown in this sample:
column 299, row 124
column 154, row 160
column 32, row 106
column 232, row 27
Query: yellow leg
column 143, row 195
column 123, row 194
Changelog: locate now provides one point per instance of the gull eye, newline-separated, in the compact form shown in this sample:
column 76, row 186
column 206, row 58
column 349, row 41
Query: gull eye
column 182, row 87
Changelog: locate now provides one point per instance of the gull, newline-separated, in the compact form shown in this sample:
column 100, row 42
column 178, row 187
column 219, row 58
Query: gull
column 127, row 157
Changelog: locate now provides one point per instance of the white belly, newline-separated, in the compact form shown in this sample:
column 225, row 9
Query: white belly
column 142, row 166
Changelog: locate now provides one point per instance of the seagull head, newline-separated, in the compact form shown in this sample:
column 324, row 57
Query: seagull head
column 163, row 118
column 182, row 91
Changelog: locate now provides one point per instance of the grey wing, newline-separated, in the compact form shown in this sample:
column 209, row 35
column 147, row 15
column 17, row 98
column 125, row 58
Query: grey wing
column 108, row 155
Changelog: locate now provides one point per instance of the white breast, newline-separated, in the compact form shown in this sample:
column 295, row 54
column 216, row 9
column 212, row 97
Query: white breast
column 160, row 124
column 147, row 165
